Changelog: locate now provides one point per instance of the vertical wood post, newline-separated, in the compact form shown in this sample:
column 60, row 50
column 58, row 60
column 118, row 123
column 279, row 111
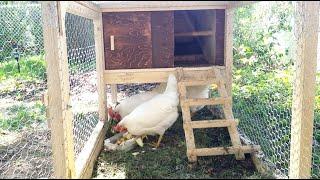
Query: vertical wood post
column 114, row 92
column 228, row 45
column 58, row 89
column 98, row 36
column 306, row 24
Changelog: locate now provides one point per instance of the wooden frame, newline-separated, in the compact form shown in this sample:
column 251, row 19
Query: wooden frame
column 228, row 45
column 236, row 4
column 58, row 88
column 124, row 76
column 60, row 113
column 122, row 6
column 93, row 146
column 307, row 21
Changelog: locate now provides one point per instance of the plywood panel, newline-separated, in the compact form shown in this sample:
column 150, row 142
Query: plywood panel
column 132, row 40
column 162, row 39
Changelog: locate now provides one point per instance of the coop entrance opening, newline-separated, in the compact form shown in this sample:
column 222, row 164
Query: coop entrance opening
column 198, row 38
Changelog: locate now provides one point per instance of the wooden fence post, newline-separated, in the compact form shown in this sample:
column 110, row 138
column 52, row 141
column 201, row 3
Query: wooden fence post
column 228, row 45
column 306, row 24
column 58, row 89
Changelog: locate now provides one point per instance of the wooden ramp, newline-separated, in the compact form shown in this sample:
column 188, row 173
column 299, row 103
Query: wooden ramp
column 226, row 101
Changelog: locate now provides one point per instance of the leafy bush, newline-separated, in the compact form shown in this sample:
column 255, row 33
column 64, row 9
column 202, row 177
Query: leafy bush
column 263, row 79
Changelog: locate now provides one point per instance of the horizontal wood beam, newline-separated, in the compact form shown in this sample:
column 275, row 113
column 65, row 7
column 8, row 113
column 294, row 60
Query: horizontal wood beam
column 192, row 57
column 195, row 33
column 237, row 4
column 121, row 6
column 199, row 82
column 77, row 8
column 209, row 101
column 125, row 76
column 225, row 150
column 213, row 123
column 89, row 5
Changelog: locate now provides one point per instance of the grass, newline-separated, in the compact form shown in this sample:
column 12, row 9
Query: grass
column 32, row 68
column 170, row 160
column 26, row 84
column 22, row 116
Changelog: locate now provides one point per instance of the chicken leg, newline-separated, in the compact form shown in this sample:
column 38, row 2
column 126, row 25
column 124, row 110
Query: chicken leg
column 156, row 145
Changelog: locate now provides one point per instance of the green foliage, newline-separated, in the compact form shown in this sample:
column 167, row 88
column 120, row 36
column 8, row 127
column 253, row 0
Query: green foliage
column 31, row 68
column 263, row 36
column 22, row 116
column 263, row 78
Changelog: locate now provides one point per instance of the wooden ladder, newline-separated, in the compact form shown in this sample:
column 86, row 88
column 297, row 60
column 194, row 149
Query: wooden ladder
column 226, row 101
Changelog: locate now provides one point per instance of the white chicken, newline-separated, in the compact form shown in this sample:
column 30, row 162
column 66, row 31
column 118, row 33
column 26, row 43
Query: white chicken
column 127, row 105
column 156, row 115
column 197, row 92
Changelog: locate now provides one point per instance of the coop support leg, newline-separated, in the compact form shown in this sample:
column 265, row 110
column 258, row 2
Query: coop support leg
column 114, row 92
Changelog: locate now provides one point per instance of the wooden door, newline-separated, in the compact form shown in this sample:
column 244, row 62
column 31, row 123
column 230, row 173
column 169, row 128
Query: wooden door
column 132, row 40
column 162, row 39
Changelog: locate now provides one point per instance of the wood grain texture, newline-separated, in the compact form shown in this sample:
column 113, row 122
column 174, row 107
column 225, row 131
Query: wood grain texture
column 100, row 65
column 162, row 39
column 126, row 76
column 132, row 36
column 125, row 6
column 52, row 40
column 306, row 34
column 228, row 45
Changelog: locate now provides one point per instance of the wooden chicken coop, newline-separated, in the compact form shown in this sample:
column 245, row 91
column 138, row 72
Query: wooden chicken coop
column 143, row 42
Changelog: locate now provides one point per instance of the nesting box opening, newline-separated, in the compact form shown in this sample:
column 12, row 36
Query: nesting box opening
column 164, row 39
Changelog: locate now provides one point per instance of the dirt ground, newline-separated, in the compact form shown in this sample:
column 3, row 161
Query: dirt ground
column 27, row 155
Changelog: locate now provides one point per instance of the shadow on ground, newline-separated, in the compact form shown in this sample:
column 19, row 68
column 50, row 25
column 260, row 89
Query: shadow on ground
column 170, row 160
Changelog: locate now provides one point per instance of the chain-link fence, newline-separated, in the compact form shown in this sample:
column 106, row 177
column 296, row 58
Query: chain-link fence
column 82, row 78
column 25, row 147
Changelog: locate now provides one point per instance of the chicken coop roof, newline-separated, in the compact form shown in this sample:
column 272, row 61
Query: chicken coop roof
column 116, row 6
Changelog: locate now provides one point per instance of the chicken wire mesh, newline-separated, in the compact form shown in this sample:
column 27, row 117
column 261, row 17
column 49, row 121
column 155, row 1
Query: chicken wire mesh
column 316, row 131
column 25, row 147
column 263, row 81
column 263, row 84
column 82, row 78
column 265, row 116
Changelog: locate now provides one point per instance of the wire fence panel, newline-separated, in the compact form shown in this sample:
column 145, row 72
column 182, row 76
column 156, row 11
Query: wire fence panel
column 316, row 134
column 263, row 79
column 83, row 78
column 25, row 147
